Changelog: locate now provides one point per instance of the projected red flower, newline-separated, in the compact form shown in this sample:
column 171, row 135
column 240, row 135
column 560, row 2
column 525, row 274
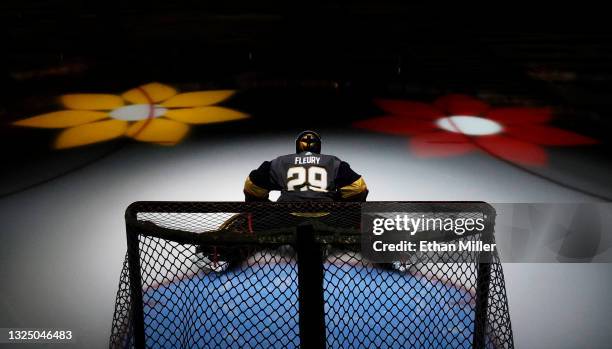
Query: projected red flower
column 458, row 124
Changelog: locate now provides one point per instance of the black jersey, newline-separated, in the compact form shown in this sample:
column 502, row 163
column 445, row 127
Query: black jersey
column 305, row 176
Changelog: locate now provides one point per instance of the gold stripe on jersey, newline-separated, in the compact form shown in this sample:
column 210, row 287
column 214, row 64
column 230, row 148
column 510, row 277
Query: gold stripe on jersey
column 254, row 189
column 357, row 187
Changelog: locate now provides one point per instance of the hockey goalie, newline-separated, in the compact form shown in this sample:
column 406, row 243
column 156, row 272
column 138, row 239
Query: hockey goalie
column 306, row 175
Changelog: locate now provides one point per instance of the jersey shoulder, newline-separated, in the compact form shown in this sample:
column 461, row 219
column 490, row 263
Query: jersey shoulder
column 283, row 158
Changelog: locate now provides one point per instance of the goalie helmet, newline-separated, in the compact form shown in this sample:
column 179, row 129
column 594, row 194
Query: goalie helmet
column 308, row 141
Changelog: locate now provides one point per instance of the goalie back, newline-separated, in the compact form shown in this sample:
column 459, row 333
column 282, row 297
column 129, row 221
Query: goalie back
column 306, row 176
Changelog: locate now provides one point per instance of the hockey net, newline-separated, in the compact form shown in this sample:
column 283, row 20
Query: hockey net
column 228, row 275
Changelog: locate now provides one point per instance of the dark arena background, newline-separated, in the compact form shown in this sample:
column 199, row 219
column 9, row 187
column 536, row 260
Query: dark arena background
column 104, row 104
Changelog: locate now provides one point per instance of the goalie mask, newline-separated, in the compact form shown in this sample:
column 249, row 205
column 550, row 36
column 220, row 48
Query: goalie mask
column 308, row 141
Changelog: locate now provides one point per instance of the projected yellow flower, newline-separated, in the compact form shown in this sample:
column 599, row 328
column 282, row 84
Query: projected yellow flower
column 154, row 113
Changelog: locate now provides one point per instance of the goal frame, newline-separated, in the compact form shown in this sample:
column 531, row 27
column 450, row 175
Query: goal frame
column 308, row 241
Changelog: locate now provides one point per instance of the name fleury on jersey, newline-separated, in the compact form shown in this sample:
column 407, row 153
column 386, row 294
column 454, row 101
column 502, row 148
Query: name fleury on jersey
column 304, row 160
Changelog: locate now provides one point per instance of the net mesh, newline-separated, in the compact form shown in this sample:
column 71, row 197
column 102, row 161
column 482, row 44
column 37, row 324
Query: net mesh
column 225, row 275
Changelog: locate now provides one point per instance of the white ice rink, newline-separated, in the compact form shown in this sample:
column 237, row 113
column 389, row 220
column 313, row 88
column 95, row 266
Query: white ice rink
column 62, row 244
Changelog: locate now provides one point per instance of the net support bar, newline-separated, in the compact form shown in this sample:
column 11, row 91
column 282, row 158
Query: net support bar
column 483, row 280
column 310, row 285
column 136, row 306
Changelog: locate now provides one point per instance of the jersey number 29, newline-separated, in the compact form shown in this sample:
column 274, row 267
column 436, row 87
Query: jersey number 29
column 313, row 178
